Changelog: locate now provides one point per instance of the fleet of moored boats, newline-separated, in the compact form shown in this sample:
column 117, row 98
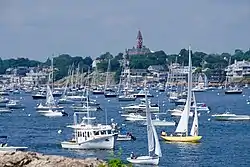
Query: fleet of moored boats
column 89, row 134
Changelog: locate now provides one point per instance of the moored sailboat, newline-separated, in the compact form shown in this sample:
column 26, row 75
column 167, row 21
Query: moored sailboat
column 154, row 148
column 181, row 132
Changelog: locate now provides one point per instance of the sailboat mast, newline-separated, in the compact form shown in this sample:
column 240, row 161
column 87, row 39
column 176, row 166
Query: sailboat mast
column 107, row 76
column 52, row 74
column 189, row 85
column 87, row 95
column 147, row 115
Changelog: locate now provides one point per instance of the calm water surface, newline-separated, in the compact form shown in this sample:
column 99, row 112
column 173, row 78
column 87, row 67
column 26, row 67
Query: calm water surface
column 223, row 143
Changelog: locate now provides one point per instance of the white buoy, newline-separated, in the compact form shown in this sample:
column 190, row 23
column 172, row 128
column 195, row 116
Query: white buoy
column 208, row 111
column 59, row 131
column 23, row 109
column 208, row 119
column 29, row 115
column 248, row 102
column 218, row 94
column 243, row 95
column 108, row 100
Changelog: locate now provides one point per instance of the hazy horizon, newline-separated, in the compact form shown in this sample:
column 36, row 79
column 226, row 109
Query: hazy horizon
column 38, row 29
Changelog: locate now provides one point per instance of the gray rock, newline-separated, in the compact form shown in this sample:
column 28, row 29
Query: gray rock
column 32, row 159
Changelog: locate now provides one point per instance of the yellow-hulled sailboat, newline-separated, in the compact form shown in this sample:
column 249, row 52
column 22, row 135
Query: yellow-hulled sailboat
column 181, row 132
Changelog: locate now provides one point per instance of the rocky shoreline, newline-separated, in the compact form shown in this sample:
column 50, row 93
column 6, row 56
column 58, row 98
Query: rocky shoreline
column 33, row 159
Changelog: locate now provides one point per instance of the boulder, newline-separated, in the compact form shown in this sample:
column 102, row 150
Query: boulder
column 33, row 159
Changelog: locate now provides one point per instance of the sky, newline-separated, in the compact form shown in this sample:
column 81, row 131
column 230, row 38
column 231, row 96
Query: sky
column 36, row 29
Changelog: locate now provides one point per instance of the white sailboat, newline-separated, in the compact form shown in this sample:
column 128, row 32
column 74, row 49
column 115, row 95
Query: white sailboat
column 50, row 102
column 154, row 148
column 181, row 132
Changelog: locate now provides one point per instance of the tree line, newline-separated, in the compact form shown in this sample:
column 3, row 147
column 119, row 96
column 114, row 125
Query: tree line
column 64, row 61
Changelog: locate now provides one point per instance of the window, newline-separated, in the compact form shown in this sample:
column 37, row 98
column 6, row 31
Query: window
column 83, row 134
column 103, row 133
column 88, row 134
column 96, row 132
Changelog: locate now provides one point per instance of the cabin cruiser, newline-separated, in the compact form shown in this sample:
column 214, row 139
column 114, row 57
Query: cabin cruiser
column 133, row 117
column 110, row 94
column 141, row 108
column 5, row 110
column 39, row 95
column 90, row 136
column 45, row 107
column 84, row 108
column 230, row 117
column 233, row 91
column 142, row 94
column 98, row 91
column 128, row 97
column 52, row 113
column 71, row 99
column 14, row 104
column 5, row 148
column 3, row 101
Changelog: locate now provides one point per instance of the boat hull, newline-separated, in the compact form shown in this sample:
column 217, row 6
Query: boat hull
column 106, row 142
column 38, row 97
column 191, row 139
column 126, row 99
column 12, row 149
column 236, row 118
column 110, row 95
column 145, row 160
column 233, row 92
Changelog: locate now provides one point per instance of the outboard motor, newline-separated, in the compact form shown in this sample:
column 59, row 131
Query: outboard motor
column 133, row 137
column 65, row 114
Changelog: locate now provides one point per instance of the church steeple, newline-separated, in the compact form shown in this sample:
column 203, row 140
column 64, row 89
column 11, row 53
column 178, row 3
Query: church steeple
column 139, row 40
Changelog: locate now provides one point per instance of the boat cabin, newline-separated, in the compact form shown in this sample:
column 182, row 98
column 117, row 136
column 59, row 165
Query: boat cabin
column 89, row 132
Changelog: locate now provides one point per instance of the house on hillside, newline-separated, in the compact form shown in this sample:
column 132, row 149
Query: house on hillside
column 158, row 71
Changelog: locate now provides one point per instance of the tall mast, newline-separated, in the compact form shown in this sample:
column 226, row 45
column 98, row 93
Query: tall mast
column 189, row 85
column 52, row 73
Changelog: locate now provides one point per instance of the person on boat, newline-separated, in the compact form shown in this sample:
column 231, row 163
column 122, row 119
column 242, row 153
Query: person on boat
column 163, row 133
column 132, row 155
column 195, row 130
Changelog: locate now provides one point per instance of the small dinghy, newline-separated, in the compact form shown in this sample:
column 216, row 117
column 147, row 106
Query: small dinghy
column 5, row 148
column 230, row 117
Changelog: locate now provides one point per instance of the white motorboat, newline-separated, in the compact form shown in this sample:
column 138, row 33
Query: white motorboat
column 67, row 99
column 84, row 108
column 124, row 135
column 135, row 117
column 5, row 110
column 90, row 136
column 52, row 113
column 141, row 108
column 44, row 107
column 154, row 148
column 5, row 148
column 142, row 94
column 158, row 122
column 14, row 104
column 179, row 113
column 200, row 107
column 128, row 97
column 230, row 117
